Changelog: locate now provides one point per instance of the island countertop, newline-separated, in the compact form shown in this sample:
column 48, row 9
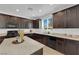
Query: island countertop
column 28, row 47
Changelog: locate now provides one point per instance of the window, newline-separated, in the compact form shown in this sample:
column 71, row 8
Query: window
column 47, row 23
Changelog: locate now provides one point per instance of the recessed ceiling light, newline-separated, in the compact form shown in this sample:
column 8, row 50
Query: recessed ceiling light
column 33, row 15
column 40, row 10
column 17, row 10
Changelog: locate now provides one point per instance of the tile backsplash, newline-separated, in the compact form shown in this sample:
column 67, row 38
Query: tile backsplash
column 72, row 31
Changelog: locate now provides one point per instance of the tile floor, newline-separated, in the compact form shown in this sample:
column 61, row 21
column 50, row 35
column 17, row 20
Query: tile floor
column 49, row 51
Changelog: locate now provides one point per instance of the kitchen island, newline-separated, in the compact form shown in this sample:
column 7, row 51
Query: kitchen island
column 28, row 47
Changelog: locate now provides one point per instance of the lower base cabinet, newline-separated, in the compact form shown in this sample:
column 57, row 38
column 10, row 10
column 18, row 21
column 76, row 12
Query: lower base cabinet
column 65, row 46
column 70, row 47
column 1, row 39
column 45, row 41
column 60, row 45
column 40, row 38
column 77, row 49
column 52, row 42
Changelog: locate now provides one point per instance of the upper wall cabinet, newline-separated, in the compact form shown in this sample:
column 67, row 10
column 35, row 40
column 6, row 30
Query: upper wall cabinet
column 68, row 18
column 3, row 20
column 35, row 23
column 77, row 17
column 8, row 21
column 71, row 18
column 59, row 19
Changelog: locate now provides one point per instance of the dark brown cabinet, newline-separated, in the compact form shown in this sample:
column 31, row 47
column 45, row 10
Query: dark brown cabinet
column 40, row 38
column 9, row 21
column 67, row 46
column 59, row 19
column 52, row 42
column 68, row 18
column 45, row 41
column 35, row 23
column 78, row 48
column 3, row 20
column 77, row 20
column 60, row 44
column 71, row 17
column 70, row 47
column 63, row 45
column 1, row 39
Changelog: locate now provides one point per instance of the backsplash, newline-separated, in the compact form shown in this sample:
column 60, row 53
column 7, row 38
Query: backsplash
column 4, row 31
column 71, row 31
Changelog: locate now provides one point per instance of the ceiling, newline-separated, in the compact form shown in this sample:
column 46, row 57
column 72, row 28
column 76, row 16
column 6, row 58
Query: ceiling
column 32, row 11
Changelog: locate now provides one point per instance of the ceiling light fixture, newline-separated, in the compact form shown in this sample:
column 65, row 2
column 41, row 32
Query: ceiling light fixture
column 17, row 10
column 33, row 15
column 40, row 10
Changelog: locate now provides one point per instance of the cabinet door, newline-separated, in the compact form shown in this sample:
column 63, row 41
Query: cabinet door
column 35, row 23
column 45, row 40
column 69, row 24
column 11, row 22
column 42, row 39
column 39, row 38
column 52, row 42
column 60, row 45
column 59, row 19
column 71, row 17
column 3, row 21
column 1, row 39
column 70, row 47
column 77, row 42
column 78, row 48
column 77, row 21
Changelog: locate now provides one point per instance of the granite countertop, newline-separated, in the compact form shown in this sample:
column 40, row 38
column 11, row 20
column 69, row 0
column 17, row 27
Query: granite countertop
column 28, row 47
column 65, row 36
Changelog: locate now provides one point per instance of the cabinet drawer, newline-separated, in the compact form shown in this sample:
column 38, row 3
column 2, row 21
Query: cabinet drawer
column 52, row 42
column 1, row 39
column 70, row 47
column 60, row 45
column 60, row 41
